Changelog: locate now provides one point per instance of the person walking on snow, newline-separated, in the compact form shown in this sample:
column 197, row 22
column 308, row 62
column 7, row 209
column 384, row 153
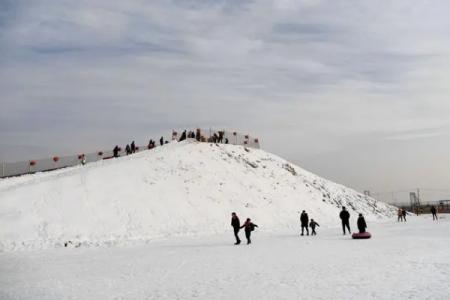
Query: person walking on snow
column 399, row 215
column 313, row 225
column 236, row 224
column 161, row 141
column 248, row 228
column 404, row 214
column 304, row 222
column 433, row 212
column 133, row 147
column 361, row 224
column 345, row 218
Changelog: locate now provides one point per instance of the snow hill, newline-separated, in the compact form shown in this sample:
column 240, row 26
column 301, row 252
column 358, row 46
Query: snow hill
column 179, row 189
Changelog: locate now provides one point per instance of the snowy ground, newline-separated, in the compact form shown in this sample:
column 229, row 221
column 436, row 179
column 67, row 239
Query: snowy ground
column 402, row 261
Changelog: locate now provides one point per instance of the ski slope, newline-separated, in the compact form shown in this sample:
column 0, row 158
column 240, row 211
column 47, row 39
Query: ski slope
column 402, row 261
column 180, row 189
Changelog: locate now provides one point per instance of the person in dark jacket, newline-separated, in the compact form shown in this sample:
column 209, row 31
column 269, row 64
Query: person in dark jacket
column 361, row 224
column 345, row 218
column 128, row 149
column 433, row 212
column 304, row 222
column 313, row 225
column 248, row 228
column 399, row 215
column 161, row 141
column 133, row 147
column 404, row 214
column 183, row 136
column 236, row 224
column 116, row 151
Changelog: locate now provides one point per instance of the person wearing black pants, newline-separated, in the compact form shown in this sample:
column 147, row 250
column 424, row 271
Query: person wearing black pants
column 248, row 228
column 433, row 211
column 236, row 224
column 345, row 218
column 304, row 222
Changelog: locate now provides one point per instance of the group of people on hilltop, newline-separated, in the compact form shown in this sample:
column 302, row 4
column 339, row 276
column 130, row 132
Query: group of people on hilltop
column 401, row 215
column 132, row 148
column 216, row 137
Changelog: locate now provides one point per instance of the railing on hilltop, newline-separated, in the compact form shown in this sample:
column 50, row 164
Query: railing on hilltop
column 59, row 162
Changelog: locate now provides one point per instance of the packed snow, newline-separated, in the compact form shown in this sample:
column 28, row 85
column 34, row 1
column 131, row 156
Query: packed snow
column 402, row 261
column 180, row 189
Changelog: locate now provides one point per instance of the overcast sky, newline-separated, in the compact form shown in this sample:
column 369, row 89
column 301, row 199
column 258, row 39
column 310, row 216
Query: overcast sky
column 355, row 91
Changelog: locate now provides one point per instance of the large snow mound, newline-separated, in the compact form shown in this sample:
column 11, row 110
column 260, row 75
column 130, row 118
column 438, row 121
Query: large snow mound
column 179, row 189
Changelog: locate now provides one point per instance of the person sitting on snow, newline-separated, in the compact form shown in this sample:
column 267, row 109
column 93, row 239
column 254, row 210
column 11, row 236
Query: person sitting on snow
column 313, row 225
column 361, row 224
column 248, row 228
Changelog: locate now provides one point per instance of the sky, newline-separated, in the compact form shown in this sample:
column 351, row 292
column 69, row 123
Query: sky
column 355, row 91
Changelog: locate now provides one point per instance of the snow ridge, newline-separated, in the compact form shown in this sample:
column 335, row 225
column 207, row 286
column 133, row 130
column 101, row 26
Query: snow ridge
column 179, row 189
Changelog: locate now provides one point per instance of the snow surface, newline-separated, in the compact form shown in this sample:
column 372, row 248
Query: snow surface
column 180, row 189
column 402, row 261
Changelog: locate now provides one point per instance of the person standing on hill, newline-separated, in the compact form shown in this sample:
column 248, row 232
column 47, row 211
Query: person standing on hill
column 404, row 214
column 116, row 151
column 345, row 218
column 304, row 222
column 128, row 149
column 433, row 212
column 236, row 224
column 248, row 228
column 161, row 141
column 313, row 225
column 361, row 224
column 133, row 147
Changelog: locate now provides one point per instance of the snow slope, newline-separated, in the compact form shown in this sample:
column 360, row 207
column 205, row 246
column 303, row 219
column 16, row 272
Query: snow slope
column 183, row 188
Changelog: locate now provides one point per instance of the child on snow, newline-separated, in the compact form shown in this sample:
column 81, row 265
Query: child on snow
column 248, row 228
column 313, row 225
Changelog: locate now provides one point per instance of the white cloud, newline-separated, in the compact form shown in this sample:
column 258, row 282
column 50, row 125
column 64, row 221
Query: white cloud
column 320, row 76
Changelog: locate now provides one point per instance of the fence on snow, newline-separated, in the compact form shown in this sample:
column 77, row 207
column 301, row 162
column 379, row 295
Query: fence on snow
column 59, row 162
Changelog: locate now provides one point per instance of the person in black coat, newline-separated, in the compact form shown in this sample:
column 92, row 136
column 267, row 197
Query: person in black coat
column 133, row 147
column 116, row 151
column 128, row 149
column 248, row 228
column 404, row 214
column 433, row 211
column 361, row 224
column 345, row 218
column 304, row 222
column 161, row 141
column 183, row 136
column 236, row 224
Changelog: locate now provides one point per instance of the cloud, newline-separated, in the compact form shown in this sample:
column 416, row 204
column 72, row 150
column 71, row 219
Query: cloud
column 319, row 76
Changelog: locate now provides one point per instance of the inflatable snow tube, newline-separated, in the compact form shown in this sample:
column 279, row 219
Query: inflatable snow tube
column 359, row 236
